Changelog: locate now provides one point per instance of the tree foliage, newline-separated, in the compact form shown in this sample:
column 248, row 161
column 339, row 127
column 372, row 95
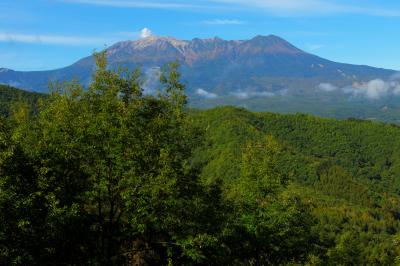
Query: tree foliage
column 109, row 175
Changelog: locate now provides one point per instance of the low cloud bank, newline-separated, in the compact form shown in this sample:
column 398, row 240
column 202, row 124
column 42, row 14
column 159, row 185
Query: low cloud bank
column 243, row 95
column 327, row 87
column 152, row 80
column 373, row 89
column 206, row 94
column 246, row 95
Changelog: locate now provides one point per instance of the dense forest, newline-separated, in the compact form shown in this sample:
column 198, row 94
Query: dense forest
column 319, row 104
column 111, row 176
column 10, row 96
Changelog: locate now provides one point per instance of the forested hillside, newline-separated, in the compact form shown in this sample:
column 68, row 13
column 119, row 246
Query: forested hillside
column 110, row 176
column 347, row 171
column 10, row 96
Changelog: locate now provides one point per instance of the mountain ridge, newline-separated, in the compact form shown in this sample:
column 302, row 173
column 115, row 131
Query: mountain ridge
column 260, row 64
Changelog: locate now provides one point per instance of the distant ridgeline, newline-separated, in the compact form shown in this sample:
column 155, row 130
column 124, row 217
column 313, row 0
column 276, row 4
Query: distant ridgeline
column 10, row 96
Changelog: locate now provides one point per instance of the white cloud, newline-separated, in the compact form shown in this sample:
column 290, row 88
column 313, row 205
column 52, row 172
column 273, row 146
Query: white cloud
column 145, row 32
column 206, row 94
column 240, row 94
column 281, row 5
column 313, row 47
column 67, row 39
column 396, row 90
column 277, row 7
column 51, row 39
column 311, row 7
column 151, row 81
column 135, row 3
column 246, row 95
column 223, row 22
column 373, row 89
column 327, row 87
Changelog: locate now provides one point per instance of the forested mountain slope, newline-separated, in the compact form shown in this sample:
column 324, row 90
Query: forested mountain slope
column 10, row 95
column 348, row 170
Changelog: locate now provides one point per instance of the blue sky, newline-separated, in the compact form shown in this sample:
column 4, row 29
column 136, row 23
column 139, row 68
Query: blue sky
column 48, row 34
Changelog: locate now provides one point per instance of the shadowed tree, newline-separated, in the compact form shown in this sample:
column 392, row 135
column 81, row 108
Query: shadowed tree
column 115, row 160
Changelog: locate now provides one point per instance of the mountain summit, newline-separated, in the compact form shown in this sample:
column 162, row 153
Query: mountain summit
column 155, row 48
column 259, row 66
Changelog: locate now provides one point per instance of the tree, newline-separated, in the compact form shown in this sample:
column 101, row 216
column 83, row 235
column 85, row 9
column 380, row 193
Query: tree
column 118, row 163
column 271, row 225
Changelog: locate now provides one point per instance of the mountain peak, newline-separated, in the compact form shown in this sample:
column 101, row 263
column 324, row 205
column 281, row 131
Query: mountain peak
column 273, row 44
column 154, row 38
column 148, row 41
column 153, row 42
column 260, row 43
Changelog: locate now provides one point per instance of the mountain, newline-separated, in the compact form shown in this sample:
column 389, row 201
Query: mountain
column 261, row 65
column 265, row 73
